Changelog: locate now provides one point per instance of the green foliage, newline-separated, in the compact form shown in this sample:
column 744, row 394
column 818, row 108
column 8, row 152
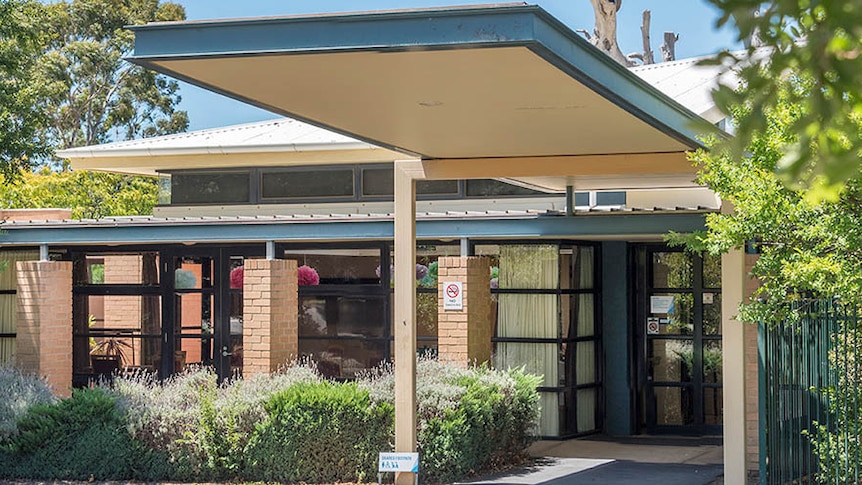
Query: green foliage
column 90, row 195
column 78, row 438
column 319, row 433
column 93, row 95
column 21, row 114
column 805, row 248
column 21, row 392
column 822, row 42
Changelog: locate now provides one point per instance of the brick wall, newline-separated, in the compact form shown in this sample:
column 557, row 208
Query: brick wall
column 44, row 323
column 752, row 422
column 464, row 336
column 35, row 214
column 123, row 311
column 270, row 315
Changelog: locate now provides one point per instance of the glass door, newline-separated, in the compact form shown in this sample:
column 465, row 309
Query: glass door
column 679, row 328
column 206, row 314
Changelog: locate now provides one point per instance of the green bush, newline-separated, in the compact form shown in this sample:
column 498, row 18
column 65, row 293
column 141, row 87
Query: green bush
column 79, row 438
column 319, row 433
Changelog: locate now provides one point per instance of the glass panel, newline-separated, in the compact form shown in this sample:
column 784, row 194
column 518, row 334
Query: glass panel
column 8, row 314
column 551, row 405
column 670, row 360
column 426, row 262
column 193, row 273
column 539, row 359
column 584, row 314
column 494, row 188
column 380, row 182
column 8, row 280
column 711, row 313
column 674, row 311
column 584, row 273
column 586, row 411
column 236, row 308
column 585, row 367
column 712, row 406
column 118, row 269
column 672, row 270
column 337, row 266
column 532, row 316
column 341, row 316
column 426, row 314
column 674, row 406
column 712, row 361
column 529, row 266
column 119, row 331
column 711, row 271
column 343, row 357
column 209, row 188
column 307, row 183
column 194, row 322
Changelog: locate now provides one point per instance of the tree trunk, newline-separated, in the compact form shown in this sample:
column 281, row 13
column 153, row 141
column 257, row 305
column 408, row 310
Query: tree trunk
column 648, row 57
column 668, row 49
column 605, row 31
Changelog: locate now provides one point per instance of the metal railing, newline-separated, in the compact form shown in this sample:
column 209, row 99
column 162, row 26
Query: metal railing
column 809, row 397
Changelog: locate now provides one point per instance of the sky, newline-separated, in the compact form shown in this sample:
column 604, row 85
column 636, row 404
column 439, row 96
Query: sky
column 693, row 20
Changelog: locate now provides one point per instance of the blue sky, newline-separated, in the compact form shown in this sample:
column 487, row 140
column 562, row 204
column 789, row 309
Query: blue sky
column 693, row 20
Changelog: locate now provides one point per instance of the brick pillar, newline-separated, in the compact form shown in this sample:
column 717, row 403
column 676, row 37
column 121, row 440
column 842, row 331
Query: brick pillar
column 44, row 327
column 270, row 315
column 752, row 411
column 464, row 336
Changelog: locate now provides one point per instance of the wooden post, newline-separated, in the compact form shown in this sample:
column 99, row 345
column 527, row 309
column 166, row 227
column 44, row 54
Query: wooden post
column 406, row 173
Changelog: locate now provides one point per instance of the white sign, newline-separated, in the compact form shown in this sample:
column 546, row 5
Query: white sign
column 708, row 298
column 652, row 327
column 453, row 297
column 398, row 462
column 661, row 304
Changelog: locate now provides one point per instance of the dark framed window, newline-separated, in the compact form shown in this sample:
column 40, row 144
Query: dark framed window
column 379, row 182
column 210, row 187
column 496, row 188
column 307, row 183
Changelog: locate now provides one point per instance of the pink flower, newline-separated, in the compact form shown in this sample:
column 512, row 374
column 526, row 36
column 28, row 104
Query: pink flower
column 236, row 276
column 307, row 276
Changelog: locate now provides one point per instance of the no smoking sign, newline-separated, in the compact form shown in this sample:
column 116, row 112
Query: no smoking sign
column 453, row 297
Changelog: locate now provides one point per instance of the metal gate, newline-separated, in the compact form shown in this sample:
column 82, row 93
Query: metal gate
column 810, row 396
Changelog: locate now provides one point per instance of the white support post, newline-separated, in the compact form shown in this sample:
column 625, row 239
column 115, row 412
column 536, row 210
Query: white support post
column 733, row 364
column 406, row 174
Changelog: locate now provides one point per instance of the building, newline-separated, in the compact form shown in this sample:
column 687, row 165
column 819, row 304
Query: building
column 489, row 144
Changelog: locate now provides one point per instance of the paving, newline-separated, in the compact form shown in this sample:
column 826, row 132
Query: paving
column 637, row 460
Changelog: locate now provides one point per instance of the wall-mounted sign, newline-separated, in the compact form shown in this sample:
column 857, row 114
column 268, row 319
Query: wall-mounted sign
column 661, row 304
column 708, row 298
column 453, row 297
column 652, row 327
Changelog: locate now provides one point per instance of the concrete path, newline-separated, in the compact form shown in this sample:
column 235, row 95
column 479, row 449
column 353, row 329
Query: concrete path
column 637, row 460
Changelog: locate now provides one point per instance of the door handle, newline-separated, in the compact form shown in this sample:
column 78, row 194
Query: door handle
column 224, row 352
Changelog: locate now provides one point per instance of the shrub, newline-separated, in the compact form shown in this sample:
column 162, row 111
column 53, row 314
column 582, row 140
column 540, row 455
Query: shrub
column 318, row 433
column 469, row 419
column 20, row 393
column 80, row 438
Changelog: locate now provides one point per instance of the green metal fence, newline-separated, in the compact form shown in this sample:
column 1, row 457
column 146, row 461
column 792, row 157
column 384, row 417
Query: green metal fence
column 809, row 396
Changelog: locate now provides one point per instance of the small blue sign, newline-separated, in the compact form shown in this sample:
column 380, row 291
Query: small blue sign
column 398, row 462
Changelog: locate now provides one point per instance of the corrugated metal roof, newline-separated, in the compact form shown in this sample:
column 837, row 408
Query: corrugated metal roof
column 688, row 83
column 278, row 135
column 125, row 221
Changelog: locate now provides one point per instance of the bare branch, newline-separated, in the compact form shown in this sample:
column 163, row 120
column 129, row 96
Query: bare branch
column 647, row 57
column 668, row 49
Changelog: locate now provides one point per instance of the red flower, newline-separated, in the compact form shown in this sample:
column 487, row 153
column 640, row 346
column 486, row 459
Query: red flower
column 236, row 276
column 307, row 276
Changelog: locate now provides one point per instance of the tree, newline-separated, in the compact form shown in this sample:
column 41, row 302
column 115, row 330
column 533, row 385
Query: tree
column 89, row 195
column 94, row 95
column 805, row 248
column 605, row 35
column 821, row 41
column 21, row 117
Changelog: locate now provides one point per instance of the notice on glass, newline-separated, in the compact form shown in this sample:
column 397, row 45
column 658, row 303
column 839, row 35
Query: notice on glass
column 661, row 304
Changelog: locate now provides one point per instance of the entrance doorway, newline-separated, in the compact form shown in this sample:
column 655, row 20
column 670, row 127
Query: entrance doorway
column 203, row 325
column 678, row 351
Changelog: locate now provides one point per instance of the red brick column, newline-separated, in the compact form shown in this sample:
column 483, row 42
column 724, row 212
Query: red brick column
column 464, row 336
column 270, row 315
column 44, row 326
column 752, row 411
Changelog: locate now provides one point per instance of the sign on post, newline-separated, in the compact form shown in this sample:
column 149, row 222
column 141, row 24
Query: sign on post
column 398, row 462
column 453, row 297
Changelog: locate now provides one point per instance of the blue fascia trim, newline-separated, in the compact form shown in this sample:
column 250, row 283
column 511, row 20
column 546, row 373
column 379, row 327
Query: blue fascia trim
column 552, row 226
column 528, row 26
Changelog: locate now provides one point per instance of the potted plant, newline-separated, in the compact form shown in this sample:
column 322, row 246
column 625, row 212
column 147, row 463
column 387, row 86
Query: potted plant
column 107, row 356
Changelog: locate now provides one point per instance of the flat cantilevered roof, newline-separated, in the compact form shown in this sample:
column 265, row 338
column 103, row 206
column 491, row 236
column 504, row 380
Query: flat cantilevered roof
column 495, row 81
